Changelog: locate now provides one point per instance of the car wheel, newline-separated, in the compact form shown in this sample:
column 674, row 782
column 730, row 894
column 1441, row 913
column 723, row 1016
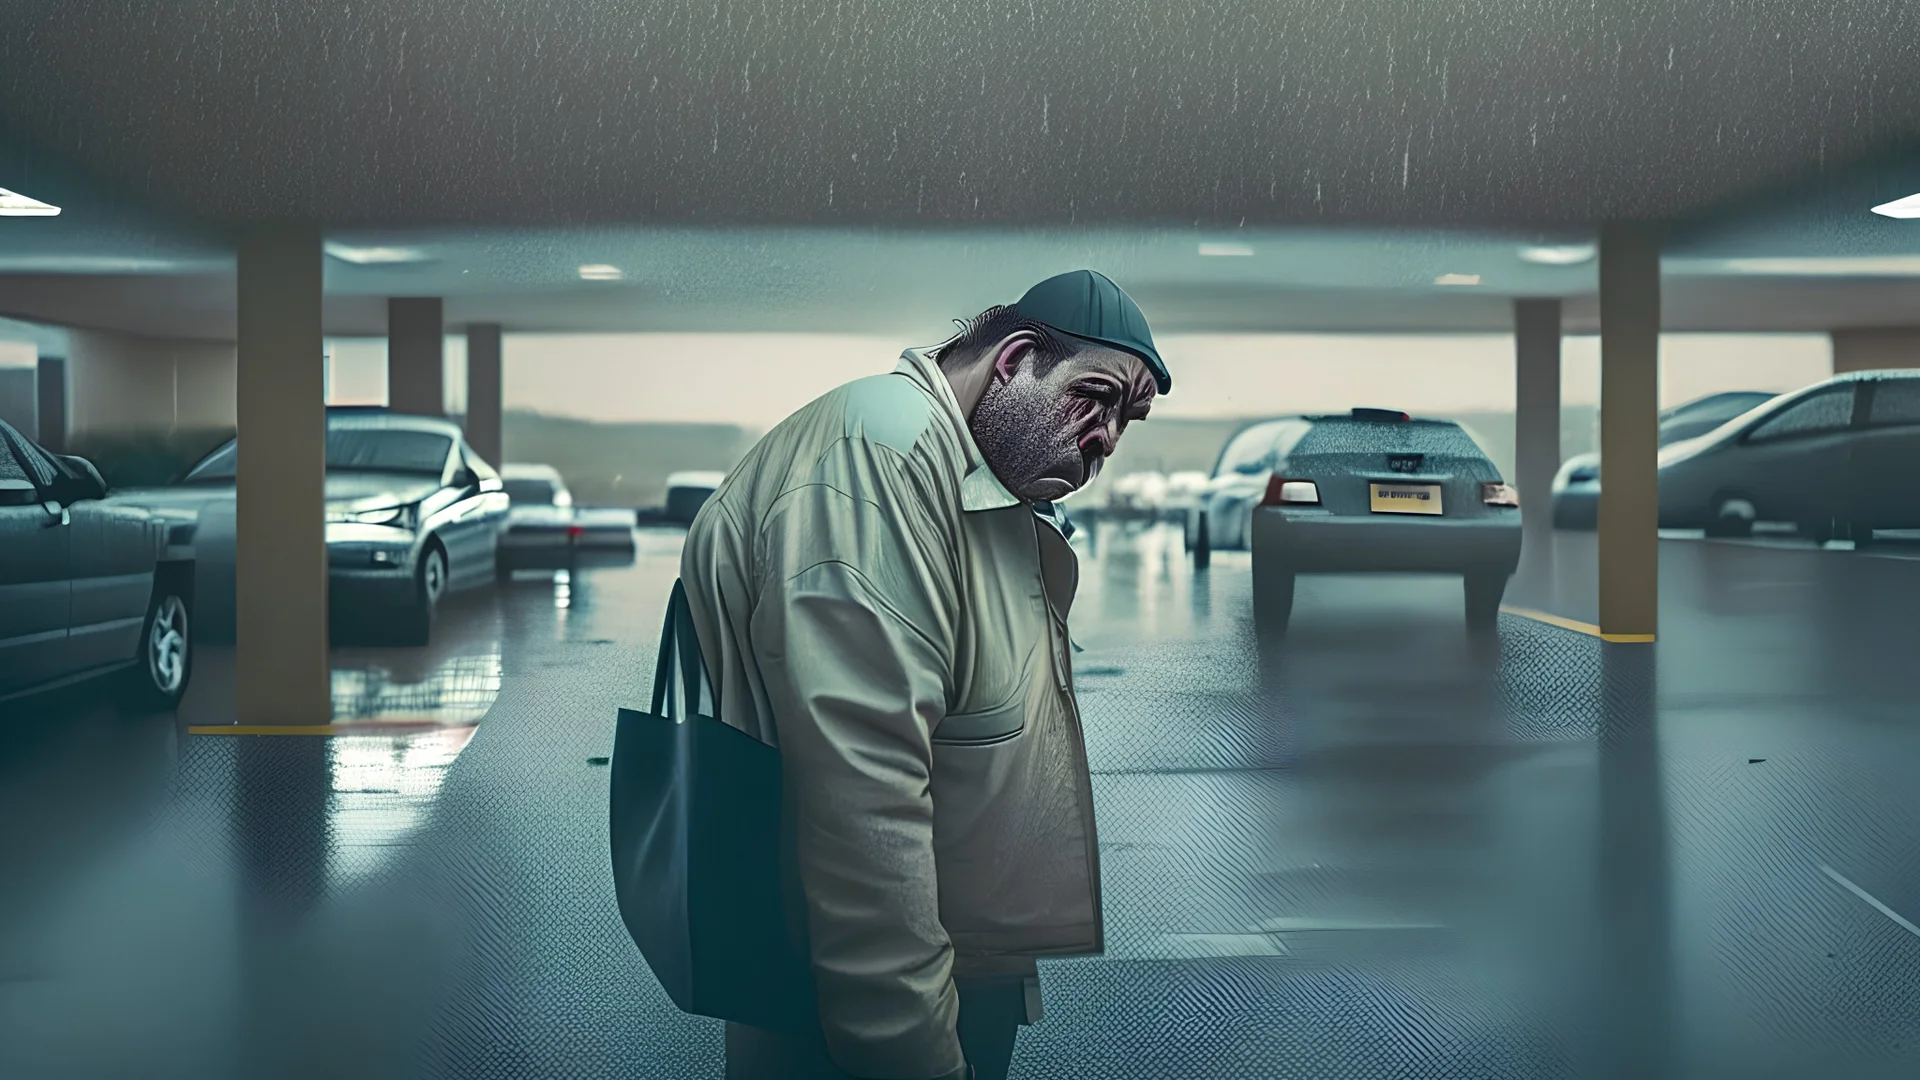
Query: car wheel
column 1202, row 545
column 1272, row 598
column 1732, row 517
column 158, row 679
column 415, row 627
column 1484, row 593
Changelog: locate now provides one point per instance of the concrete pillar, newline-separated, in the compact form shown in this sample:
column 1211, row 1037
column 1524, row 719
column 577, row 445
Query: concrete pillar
column 483, row 391
column 1536, row 432
column 280, row 558
column 51, row 412
column 1629, row 431
column 1876, row 348
column 416, row 361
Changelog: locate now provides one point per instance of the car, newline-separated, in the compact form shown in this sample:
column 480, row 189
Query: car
column 546, row 529
column 89, row 588
column 1835, row 459
column 1378, row 490
column 687, row 492
column 1576, row 487
column 1220, row 514
column 412, row 514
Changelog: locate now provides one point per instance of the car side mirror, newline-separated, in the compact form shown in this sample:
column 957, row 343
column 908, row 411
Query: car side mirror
column 89, row 485
column 465, row 478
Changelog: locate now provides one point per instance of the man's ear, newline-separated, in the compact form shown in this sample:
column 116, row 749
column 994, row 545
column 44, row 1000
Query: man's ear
column 1013, row 351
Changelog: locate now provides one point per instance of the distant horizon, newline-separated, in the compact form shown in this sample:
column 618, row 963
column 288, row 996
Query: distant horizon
column 755, row 380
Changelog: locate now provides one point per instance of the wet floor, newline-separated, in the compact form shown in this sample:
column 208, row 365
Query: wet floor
column 1384, row 849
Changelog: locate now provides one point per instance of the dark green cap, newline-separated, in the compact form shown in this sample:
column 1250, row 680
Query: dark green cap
column 1087, row 304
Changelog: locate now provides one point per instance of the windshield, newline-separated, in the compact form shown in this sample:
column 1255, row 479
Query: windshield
column 385, row 450
column 217, row 467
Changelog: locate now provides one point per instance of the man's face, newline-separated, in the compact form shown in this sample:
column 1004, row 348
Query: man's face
column 1045, row 436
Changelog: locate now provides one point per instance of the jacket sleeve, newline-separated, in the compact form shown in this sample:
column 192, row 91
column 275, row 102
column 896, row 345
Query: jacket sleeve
column 854, row 634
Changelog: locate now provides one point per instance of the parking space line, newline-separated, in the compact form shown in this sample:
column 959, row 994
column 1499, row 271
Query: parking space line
column 1576, row 625
column 1868, row 897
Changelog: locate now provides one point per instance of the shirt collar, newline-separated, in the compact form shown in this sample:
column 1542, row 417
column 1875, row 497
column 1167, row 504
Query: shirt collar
column 979, row 489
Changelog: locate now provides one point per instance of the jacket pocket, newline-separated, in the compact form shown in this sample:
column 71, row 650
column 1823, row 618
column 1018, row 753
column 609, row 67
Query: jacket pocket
column 983, row 728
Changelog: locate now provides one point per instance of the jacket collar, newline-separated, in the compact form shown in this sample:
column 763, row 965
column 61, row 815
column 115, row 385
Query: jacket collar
column 979, row 489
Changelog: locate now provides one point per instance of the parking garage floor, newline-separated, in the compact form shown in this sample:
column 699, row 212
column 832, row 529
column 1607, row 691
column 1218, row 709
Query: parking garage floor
column 1382, row 850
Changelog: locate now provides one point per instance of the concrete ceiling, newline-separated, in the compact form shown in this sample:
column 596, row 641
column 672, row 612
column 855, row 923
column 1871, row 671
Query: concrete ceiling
column 982, row 113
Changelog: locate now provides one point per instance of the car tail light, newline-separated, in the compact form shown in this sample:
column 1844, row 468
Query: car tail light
column 1284, row 492
column 1498, row 494
column 575, row 532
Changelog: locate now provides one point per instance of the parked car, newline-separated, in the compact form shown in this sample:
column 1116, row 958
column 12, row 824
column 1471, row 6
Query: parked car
column 1220, row 514
column 412, row 515
column 87, row 587
column 1378, row 490
column 1836, row 459
column 1576, row 488
column 545, row 528
column 687, row 492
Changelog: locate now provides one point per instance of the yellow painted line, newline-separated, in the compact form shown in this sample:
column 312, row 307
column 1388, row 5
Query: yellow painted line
column 1577, row 626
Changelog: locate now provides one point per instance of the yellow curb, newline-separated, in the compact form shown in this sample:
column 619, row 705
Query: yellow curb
column 1577, row 626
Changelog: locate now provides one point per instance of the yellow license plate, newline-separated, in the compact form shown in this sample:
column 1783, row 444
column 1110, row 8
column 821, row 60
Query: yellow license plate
column 1405, row 498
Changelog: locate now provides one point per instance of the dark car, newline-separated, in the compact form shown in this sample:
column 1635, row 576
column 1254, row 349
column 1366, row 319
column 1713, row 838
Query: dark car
column 1576, row 488
column 1837, row 459
column 88, row 587
column 412, row 514
column 1378, row 490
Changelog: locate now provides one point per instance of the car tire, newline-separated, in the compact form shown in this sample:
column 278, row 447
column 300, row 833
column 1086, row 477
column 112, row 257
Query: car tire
column 415, row 625
column 1732, row 518
column 159, row 676
column 1483, row 595
column 1272, row 599
column 1202, row 544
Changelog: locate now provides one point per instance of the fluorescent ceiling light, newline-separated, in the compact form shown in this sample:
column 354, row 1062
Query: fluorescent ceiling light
column 14, row 204
column 1908, row 207
column 600, row 272
column 376, row 256
column 1559, row 254
column 1457, row 279
column 1834, row 266
column 1223, row 250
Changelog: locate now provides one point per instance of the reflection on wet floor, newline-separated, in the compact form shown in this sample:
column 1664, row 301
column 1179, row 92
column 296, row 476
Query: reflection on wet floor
column 1383, row 850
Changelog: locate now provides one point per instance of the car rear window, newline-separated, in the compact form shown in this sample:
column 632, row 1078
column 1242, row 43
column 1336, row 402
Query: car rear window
column 387, row 450
column 1345, row 435
column 530, row 492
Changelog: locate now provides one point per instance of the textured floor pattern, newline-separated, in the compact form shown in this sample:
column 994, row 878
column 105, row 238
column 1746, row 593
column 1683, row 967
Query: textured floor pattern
column 1381, row 850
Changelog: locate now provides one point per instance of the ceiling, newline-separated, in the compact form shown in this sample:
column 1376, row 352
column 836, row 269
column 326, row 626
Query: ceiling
column 1239, row 165
column 978, row 113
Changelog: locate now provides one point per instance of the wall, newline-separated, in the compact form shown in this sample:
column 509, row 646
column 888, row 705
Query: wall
column 123, row 383
column 1872, row 350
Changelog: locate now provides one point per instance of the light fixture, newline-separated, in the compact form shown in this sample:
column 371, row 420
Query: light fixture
column 375, row 256
column 14, row 204
column 1457, row 279
column 600, row 272
column 1908, row 207
column 1830, row 266
column 1559, row 254
column 1225, row 250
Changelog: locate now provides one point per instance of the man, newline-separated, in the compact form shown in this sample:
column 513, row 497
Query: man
column 880, row 589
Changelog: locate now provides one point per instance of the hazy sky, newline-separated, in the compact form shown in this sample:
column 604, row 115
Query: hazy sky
column 756, row 379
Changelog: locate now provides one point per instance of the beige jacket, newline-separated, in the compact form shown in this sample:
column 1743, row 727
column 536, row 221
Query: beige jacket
column 872, row 600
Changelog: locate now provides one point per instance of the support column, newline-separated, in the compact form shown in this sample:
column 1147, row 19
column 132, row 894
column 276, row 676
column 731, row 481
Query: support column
column 1536, row 435
column 416, row 362
column 483, row 391
column 280, row 557
column 1876, row 348
column 1629, row 431
column 51, row 390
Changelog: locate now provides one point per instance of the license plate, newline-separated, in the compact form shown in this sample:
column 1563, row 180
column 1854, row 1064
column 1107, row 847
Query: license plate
column 1405, row 498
